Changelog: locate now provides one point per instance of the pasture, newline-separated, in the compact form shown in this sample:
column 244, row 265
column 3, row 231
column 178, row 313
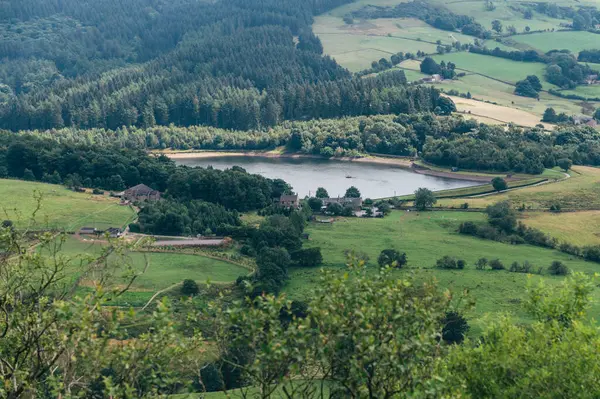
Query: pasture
column 426, row 237
column 504, row 12
column 578, row 228
column 546, row 41
column 580, row 192
column 507, row 71
column 61, row 208
column 162, row 270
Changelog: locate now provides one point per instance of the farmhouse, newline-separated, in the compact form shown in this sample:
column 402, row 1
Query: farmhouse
column 141, row 192
column 114, row 232
column 584, row 120
column 87, row 230
column 432, row 79
column 289, row 201
column 355, row 203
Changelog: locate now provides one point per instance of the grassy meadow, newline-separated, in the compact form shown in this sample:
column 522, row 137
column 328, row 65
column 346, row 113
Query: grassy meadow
column 546, row 41
column 580, row 192
column 60, row 208
column 164, row 270
column 426, row 237
column 578, row 228
column 497, row 68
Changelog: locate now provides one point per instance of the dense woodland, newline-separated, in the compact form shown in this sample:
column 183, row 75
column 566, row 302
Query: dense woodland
column 229, row 64
column 112, row 168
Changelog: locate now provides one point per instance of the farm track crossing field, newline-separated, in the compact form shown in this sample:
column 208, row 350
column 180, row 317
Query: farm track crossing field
column 573, row 41
column 61, row 208
column 426, row 237
column 581, row 192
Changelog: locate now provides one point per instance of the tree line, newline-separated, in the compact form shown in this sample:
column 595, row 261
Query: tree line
column 450, row 141
column 113, row 168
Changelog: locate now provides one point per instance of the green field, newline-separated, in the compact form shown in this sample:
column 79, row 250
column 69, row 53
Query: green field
column 503, row 12
column 578, row 228
column 592, row 91
column 487, row 89
column 573, row 41
column 581, row 192
column 494, row 67
column 61, row 208
column 426, row 237
column 164, row 269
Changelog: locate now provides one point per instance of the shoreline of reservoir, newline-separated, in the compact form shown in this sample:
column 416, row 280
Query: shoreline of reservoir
column 399, row 162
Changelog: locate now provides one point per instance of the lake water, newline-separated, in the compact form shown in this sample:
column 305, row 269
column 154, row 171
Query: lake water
column 306, row 175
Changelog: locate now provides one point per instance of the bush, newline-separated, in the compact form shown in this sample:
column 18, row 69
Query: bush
column 557, row 268
column 448, row 262
column 388, row 257
column 481, row 264
column 570, row 249
column 189, row 288
column 591, row 253
column 468, row 228
column 97, row 192
column 309, row 257
column 495, row 264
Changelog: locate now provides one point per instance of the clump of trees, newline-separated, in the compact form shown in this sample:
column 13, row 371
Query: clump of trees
column 551, row 116
column 430, row 67
column 503, row 226
column 448, row 262
column 529, row 87
column 392, row 258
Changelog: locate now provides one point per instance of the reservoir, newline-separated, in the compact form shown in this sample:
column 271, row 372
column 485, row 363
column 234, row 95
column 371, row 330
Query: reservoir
column 307, row 174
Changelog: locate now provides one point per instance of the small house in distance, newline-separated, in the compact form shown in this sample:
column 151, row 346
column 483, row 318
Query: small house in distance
column 114, row 232
column 289, row 201
column 139, row 193
column 88, row 230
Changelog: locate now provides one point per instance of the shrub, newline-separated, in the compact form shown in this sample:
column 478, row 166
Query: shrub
column 468, row 228
column 189, row 288
column 495, row 264
column 387, row 257
column 570, row 249
column 481, row 264
column 448, row 262
column 557, row 268
column 309, row 257
column 97, row 192
column 591, row 253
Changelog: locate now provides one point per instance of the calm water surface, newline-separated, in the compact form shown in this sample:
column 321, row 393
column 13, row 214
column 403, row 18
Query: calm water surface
column 306, row 175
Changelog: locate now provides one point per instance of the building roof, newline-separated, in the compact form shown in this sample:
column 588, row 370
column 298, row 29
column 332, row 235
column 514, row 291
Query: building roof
column 140, row 189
